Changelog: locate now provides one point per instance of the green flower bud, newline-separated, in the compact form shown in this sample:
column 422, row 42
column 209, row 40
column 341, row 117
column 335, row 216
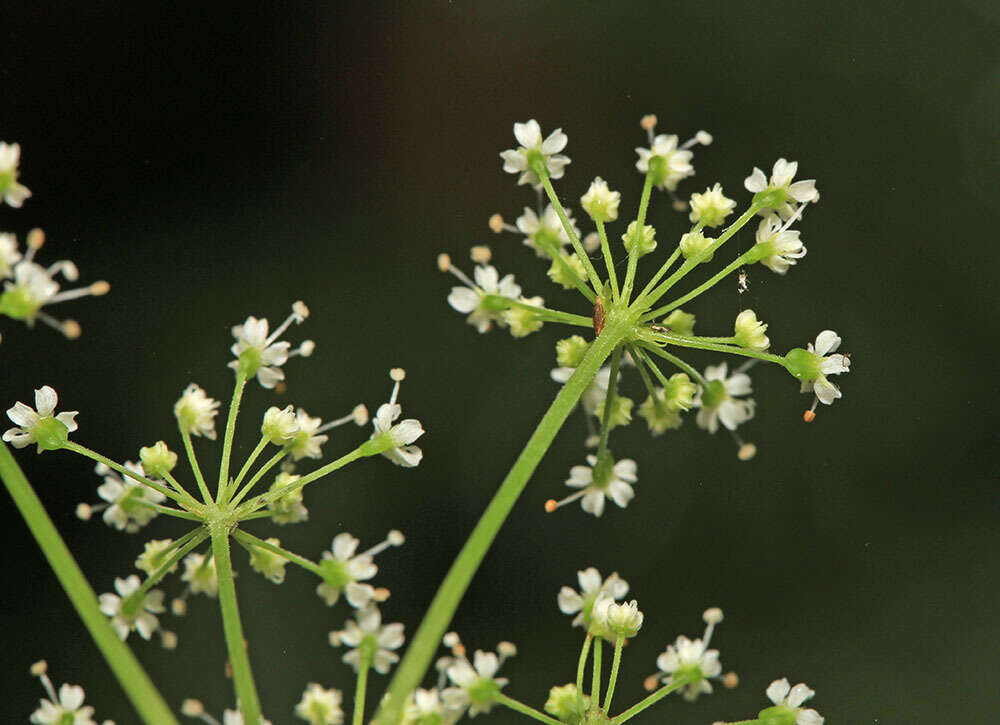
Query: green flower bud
column 694, row 243
column 523, row 322
column 558, row 274
column 621, row 412
column 600, row 202
column 570, row 351
column 659, row 416
column 567, row 705
column 749, row 331
column 265, row 562
column 646, row 239
column 777, row 715
column 680, row 323
column 157, row 459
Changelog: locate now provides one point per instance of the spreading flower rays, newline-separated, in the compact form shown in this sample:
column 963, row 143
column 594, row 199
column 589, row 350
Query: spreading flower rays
column 650, row 334
column 267, row 484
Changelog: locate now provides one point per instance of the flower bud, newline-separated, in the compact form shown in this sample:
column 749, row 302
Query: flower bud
column 749, row 331
column 157, row 459
column 566, row 704
column 680, row 323
column 694, row 244
column 280, row 425
column 600, row 202
column 646, row 239
column 570, row 351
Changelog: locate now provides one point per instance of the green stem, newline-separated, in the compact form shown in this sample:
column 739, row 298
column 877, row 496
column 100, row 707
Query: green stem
column 183, row 546
column 694, row 261
column 581, row 665
column 595, row 680
column 139, row 689
column 705, row 286
column 553, row 315
column 95, row 456
column 359, row 693
column 168, row 477
column 442, row 608
column 619, row 643
column 609, row 261
column 246, row 690
column 249, row 541
column 609, row 402
column 520, row 707
column 676, row 361
column 652, row 699
column 641, row 363
column 595, row 280
column 660, row 272
column 715, row 347
column 167, row 511
column 227, row 441
column 268, row 465
column 249, row 462
column 193, row 459
column 633, row 255
column 265, row 498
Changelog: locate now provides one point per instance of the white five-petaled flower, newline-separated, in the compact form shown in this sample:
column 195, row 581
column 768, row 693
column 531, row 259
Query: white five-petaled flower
column 478, row 683
column 592, row 586
column 475, row 298
column 783, row 695
column 66, row 708
column 529, row 136
column 368, row 634
column 201, row 574
column 402, row 433
column 308, row 438
column 749, row 331
column 196, row 412
column 544, row 230
column 258, row 353
column 826, row 363
column 687, row 657
column 40, row 424
column 125, row 495
column 781, row 180
column 783, row 247
column 139, row 616
column 342, row 572
column 718, row 402
column 676, row 161
column 320, row 706
column 10, row 191
column 617, row 484
column 280, row 426
column 600, row 202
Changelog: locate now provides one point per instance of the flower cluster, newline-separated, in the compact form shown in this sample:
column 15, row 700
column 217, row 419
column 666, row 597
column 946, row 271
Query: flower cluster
column 63, row 708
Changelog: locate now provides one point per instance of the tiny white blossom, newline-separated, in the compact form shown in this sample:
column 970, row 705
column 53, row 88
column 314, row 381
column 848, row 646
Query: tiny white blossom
column 66, row 708
column 783, row 246
column 617, row 486
column 196, row 412
column 41, row 424
column 280, row 426
column 529, row 136
column 268, row 563
column 719, row 401
column 476, row 300
column 690, row 657
column 600, row 202
column 258, row 353
column 154, row 555
column 124, row 496
column 235, row 717
column 343, row 571
column 201, row 575
column 428, row 707
column 617, row 620
column 545, row 230
column 592, row 586
column 288, row 509
column 367, row 629
column 307, row 440
column 320, row 706
column 676, row 162
column 711, row 207
column 781, row 180
column 478, row 683
column 827, row 363
column 140, row 618
column 749, row 331
column 402, row 433
column 789, row 698
column 10, row 190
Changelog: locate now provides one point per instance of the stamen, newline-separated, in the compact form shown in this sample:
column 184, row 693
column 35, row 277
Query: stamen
column 451, row 640
column 168, row 639
column 359, row 416
column 179, row 607
column 539, row 200
column 66, row 268
column 651, row 683
column 506, row 650
column 441, row 665
column 35, row 240
column 712, row 616
column 747, row 365
column 481, row 254
column 84, row 511
column 551, row 505
column 703, row 138
column 50, row 321
column 42, row 667
column 299, row 313
column 305, row 349
column 71, row 329
column 445, row 265
column 745, row 451
column 380, row 594
column 794, row 217
column 443, row 262
column 730, row 680
column 97, row 289
column 397, row 374
column 496, row 224
column 648, row 124
column 394, row 538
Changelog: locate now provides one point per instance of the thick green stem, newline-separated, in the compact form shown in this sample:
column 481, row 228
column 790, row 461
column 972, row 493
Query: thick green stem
column 619, row 643
column 246, row 689
column 139, row 689
column 651, row 700
column 227, row 441
column 442, row 608
column 520, row 707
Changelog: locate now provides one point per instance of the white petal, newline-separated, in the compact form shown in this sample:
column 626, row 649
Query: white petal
column 24, row 416
column 593, row 503
column 826, row 391
column 808, row 717
column 569, row 601
column 487, row 278
column 45, row 401
column 778, row 690
column 590, row 580
column 580, row 476
column 486, row 664
column 463, row 299
column 621, row 493
column 739, row 384
column 528, row 134
column 555, row 142
column 71, row 697
column 344, row 546
column 756, row 181
column 799, row 694
column 826, row 342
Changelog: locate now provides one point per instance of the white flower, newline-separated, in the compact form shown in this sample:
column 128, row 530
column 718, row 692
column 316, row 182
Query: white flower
column 476, row 300
column 258, row 353
column 617, row 484
column 154, row 555
column 39, row 425
column 368, row 633
column 791, row 698
column 66, row 709
column 718, row 402
column 781, row 181
column 617, row 620
column 591, row 587
column 235, row 717
column 529, row 136
column 265, row 562
column 9, row 256
column 196, row 412
column 307, row 440
column 546, row 230
column 201, row 575
column 676, row 162
column 749, row 331
column 593, row 397
column 600, row 202
column 403, row 433
column 280, row 425
column 825, row 363
column 428, row 707
column 478, row 683
column 712, row 207
column 688, row 657
column 288, row 509
column 320, row 706
column 138, row 616
column 342, row 571
column 124, row 494
column 782, row 246
column 11, row 191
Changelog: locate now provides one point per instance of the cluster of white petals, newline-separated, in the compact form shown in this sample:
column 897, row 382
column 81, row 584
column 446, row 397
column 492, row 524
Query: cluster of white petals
column 592, row 586
column 124, row 495
column 618, row 487
column 28, row 419
column 781, row 693
column 472, row 300
column 781, row 179
column 10, row 190
column 143, row 620
column 784, row 244
column 367, row 632
column 529, row 136
column 320, row 706
column 676, row 161
column 827, row 343
column 719, row 403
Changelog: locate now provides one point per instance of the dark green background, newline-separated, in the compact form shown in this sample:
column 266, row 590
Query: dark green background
column 217, row 162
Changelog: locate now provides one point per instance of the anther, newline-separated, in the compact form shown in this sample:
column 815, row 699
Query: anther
column 397, row 374
column 178, row 607
column 810, row 415
column 396, row 538
column 39, row 668
column 746, row 451
column 192, row 708
column 730, row 680
column 650, row 683
column 496, row 223
column 481, row 254
column 100, row 288
column 360, row 414
column 381, row 594
column 443, row 262
column 307, row 348
column 84, row 511
column 168, row 639
column 71, row 329
column 36, row 238
column 648, row 122
column 300, row 310
column 550, row 505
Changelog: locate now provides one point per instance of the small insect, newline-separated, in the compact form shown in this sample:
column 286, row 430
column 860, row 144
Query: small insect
column 741, row 282
column 598, row 316
column 659, row 328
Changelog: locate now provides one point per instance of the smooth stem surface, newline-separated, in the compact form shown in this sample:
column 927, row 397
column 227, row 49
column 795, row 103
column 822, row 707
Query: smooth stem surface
column 744, row 258
column 633, row 255
column 246, row 466
column 609, row 402
column 557, row 257
column 195, row 468
column 268, row 465
column 139, row 689
column 442, row 608
column 609, row 261
column 581, row 665
column 595, row 279
column 619, row 643
column 595, row 681
column 246, row 689
column 651, row 700
column 524, row 709
column 125, row 472
column 250, row 541
column 359, row 692
column 677, row 362
column 227, row 441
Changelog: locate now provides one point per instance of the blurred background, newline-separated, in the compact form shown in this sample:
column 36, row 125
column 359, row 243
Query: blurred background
column 215, row 163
